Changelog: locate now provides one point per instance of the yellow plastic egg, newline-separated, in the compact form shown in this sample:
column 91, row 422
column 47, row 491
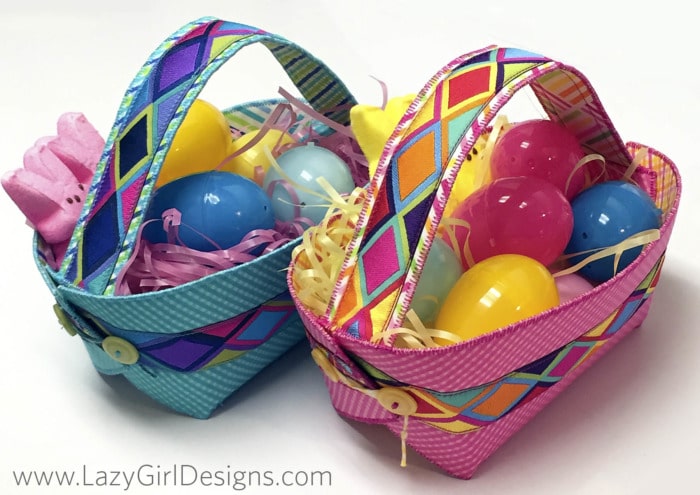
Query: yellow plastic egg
column 245, row 163
column 200, row 144
column 494, row 293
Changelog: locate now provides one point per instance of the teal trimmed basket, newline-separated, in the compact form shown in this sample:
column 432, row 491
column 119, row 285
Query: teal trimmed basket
column 188, row 347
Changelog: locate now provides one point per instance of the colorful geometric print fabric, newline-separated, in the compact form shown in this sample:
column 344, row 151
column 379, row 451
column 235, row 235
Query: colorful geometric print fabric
column 211, row 345
column 402, row 201
column 402, row 213
column 149, row 115
column 471, row 409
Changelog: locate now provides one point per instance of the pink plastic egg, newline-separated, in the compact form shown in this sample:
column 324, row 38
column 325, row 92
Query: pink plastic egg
column 540, row 148
column 514, row 215
column 571, row 286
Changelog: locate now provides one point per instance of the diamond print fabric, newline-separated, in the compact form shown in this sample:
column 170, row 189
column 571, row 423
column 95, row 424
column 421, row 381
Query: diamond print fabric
column 151, row 112
column 188, row 347
column 442, row 124
column 467, row 399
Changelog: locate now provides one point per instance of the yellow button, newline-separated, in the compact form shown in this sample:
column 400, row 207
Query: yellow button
column 396, row 401
column 63, row 319
column 323, row 362
column 120, row 350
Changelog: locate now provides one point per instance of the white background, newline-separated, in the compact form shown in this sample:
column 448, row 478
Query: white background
column 628, row 426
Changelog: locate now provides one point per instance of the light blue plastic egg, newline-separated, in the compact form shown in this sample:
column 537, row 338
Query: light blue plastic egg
column 303, row 165
column 440, row 272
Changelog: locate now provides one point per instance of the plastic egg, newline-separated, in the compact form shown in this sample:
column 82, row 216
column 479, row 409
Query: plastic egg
column 605, row 215
column 540, row 148
column 512, row 215
column 494, row 293
column 299, row 194
column 255, row 156
column 440, row 272
column 200, row 144
column 215, row 206
column 571, row 286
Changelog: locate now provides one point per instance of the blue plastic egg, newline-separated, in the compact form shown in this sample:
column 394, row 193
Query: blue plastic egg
column 222, row 206
column 605, row 215
column 303, row 165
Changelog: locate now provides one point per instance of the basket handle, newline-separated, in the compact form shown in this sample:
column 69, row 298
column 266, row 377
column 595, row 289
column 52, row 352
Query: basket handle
column 152, row 109
column 417, row 170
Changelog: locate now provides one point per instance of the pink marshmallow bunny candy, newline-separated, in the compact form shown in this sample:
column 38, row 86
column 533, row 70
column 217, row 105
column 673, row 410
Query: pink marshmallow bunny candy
column 51, row 188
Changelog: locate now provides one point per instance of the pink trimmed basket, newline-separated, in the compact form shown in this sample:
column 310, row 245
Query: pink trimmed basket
column 456, row 405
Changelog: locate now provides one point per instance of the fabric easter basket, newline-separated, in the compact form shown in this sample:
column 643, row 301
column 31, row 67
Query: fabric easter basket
column 456, row 404
column 188, row 347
